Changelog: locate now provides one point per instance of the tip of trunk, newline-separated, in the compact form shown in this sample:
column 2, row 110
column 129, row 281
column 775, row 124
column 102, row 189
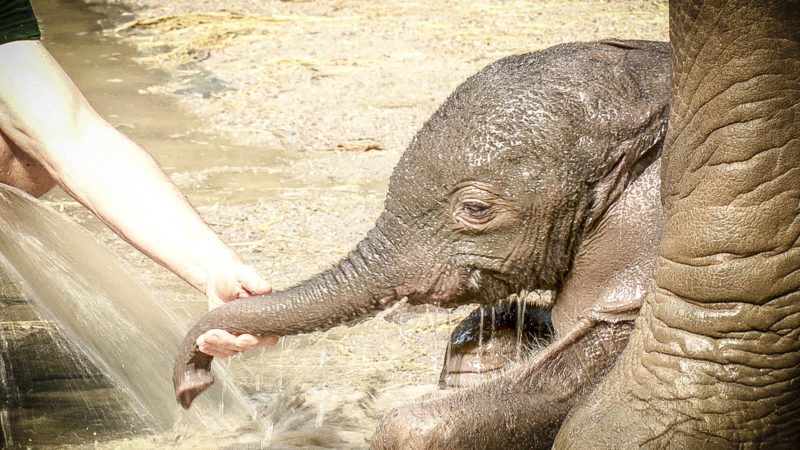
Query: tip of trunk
column 191, row 378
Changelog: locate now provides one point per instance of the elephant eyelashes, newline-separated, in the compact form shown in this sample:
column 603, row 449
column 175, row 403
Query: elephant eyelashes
column 476, row 208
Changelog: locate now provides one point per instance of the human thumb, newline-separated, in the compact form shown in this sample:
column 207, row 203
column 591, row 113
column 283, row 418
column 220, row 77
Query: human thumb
column 253, row 283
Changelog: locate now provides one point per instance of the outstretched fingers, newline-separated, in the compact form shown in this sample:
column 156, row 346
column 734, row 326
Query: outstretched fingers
column 220, row 343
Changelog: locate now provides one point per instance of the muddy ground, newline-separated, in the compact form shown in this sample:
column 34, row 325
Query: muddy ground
column 340, row 86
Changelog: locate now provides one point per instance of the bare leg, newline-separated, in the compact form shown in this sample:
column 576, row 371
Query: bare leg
column 714, row 361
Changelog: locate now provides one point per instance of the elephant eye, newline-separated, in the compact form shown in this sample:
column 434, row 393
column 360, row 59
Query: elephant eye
column 476, row 208
column 474, row 213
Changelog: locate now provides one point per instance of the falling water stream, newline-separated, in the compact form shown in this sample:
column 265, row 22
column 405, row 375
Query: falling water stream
column 93, row 300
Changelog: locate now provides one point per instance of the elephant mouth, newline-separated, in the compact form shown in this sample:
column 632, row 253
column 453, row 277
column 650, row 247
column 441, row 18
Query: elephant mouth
column 453, row 288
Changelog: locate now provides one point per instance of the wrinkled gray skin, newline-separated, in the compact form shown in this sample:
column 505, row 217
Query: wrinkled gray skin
column 714, row 361
column 539, row 172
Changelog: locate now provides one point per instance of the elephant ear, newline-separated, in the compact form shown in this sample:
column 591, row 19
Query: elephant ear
column 630, row 158
column 635, row 138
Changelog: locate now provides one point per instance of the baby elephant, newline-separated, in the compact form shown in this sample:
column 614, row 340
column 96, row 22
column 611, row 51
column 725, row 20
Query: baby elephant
column 539, row 172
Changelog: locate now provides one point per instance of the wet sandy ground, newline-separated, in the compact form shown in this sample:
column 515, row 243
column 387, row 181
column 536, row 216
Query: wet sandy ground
column 302, row 78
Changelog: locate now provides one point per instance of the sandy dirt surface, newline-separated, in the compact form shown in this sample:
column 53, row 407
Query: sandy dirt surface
column 324, row 82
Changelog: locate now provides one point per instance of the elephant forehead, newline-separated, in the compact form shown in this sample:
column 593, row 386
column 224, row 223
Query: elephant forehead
column 530, row 122
column 505, row 148
column 545, row 111
column 497, row 164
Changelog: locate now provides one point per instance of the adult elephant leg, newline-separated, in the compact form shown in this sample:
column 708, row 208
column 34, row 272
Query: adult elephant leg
column 714, row 360
column 523, row 407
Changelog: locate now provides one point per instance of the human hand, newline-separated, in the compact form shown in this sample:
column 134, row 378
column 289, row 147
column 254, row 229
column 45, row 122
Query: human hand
column 233, row 281
column 237, row 280
column 220, row 343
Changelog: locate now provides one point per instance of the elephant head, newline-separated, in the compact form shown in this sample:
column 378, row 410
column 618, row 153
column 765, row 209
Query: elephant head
column 492, row 196
column 714, row 360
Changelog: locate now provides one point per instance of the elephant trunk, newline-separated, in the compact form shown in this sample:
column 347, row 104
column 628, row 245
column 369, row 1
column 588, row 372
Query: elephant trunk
column 356, row 287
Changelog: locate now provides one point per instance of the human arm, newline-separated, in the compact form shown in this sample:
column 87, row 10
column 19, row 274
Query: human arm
column 44, row 116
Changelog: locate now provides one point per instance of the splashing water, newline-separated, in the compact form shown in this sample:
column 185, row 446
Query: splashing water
column 74, row 282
